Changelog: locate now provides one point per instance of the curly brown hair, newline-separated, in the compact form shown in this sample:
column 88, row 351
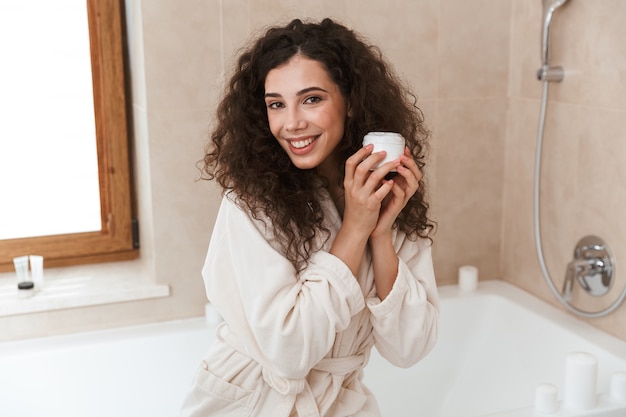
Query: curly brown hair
column 245, row 158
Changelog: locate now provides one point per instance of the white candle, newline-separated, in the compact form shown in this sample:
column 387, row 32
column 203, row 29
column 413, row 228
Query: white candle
column 546, row 399
column 581, row 371
column 468, row 278
column 618, row 387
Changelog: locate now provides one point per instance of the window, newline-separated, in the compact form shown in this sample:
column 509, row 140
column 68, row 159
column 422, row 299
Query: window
column 104, row 229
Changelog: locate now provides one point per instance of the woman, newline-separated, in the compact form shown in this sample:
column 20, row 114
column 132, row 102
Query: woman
column 316, row 254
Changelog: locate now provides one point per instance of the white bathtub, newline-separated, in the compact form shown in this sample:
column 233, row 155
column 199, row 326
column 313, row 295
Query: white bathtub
column 496, row 345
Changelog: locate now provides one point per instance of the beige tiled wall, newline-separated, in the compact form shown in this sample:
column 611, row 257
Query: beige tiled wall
column 582, row 185
column 472, row 65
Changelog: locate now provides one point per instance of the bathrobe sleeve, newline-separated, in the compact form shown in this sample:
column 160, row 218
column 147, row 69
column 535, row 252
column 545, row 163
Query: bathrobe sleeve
column 287, row 322
column 405, row 323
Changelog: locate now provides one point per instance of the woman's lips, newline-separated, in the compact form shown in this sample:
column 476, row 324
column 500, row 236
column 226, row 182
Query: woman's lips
column 301, row 145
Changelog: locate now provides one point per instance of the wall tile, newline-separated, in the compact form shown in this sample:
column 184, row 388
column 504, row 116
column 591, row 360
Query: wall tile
column 407, row 33
column 473, row 48
column 525, row 54
column 179, row 52
column 587, row 42
column 245, row 20
column 270, row 12
column 468, row 194
column 519, row 262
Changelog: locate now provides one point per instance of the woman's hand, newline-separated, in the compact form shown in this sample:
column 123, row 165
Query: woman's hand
column 405, row 185
column 372, row 205
column 384, row 258
column 365, row 189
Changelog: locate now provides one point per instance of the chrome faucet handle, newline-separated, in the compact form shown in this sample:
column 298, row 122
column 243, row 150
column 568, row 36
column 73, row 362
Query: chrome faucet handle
column 570, row 274
column 592, row 268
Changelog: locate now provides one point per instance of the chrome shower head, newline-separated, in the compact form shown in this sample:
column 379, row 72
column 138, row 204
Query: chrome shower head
column 553, row 4
column 549, row 7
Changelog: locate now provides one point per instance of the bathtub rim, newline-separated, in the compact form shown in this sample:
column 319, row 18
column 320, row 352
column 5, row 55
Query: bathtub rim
column 489, row 288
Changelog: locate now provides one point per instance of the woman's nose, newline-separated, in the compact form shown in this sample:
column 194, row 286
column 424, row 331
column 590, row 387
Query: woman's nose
column 295, row 120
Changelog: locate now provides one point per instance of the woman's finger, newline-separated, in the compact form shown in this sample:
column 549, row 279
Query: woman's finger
column 356, row 158
column 354, row 162
column 382, row 191
column 408, row 161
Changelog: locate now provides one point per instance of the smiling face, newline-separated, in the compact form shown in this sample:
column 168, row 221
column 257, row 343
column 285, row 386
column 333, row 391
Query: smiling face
column 306, row 112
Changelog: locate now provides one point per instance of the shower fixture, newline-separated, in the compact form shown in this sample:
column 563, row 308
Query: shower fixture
column 546, row 72
column 593, row 266
column 549, row 7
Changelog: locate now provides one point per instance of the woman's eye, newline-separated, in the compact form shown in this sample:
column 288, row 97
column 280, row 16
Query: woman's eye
column 274, row 105
column 313, row 100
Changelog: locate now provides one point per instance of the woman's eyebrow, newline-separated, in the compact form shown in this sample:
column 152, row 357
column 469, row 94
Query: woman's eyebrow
column 299, row 93
column 309, row 89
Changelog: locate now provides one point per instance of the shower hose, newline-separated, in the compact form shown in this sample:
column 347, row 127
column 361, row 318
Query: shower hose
column 537, row 225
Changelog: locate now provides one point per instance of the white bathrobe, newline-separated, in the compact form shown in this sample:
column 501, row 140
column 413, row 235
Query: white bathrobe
column 296, row 344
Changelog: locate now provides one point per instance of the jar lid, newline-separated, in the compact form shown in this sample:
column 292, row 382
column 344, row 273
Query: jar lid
column 383, row 137
column 25, row 285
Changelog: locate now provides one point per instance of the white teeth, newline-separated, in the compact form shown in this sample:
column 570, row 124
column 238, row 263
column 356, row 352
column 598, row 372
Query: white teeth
column 299, row 144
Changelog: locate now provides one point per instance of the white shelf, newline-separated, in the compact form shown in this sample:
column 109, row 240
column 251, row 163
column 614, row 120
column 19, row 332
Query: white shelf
column 80, row 289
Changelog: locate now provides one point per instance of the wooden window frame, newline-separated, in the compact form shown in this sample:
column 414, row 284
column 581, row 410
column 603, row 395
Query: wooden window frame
column 117, row 240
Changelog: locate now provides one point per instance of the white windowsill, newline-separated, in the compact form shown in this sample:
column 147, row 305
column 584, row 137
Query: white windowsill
column 80, row 287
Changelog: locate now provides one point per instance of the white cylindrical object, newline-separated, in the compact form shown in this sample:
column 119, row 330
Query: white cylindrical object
column 36, row 268
column 618, row 387
column 468, row 278
column 392, row 143
column 25, row 289
column 581, row 374
column 546, row 399
column 21, row 268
